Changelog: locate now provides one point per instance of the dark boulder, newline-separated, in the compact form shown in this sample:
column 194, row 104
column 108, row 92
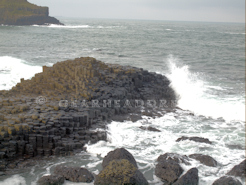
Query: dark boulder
column 149, row 128
column 204, row 159
column 51, row 180
column 174, row 157
column 168, row 171
column 190, row 178
column 74, row 174
column 119, row 172
column 227, row 180
column 196, row 139
column 119, row 153
column 238, row 170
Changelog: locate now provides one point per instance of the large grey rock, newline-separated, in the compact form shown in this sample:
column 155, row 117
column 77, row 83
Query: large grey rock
column 190, row 178
column 119, row 172
column 51, row 180
column 227, row 180
column 204, row 159
column 238, row 170
column 74, row 174
column 119, row 153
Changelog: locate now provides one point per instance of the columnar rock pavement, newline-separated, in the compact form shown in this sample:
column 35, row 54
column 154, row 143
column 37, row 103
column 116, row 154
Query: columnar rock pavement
column 54, row 113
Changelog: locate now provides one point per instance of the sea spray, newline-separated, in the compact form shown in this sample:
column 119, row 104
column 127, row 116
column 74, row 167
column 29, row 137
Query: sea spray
column 13, row 69
column 194, row 94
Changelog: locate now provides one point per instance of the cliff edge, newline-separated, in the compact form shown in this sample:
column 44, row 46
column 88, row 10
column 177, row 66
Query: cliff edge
column 21, row 12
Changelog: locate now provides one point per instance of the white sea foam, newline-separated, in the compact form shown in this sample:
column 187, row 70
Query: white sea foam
column 146, row 146
column 14, row 180
column 194, row 95
column 64, row 26
column 13, row 69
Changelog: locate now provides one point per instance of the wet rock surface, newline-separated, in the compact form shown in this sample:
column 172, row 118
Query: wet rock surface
column 68, row 105
column 204, row 159
column 174, row 157
column 227, row 180
column 196, row 139
column 51, row 180
column 189, row 178
column 238, row 170
column 74, row 174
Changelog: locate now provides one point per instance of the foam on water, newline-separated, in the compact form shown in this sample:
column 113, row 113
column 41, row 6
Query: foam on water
column 146, row 146
column 13, row 69
column 65, row 26
column 14, row 180
column 193, row 93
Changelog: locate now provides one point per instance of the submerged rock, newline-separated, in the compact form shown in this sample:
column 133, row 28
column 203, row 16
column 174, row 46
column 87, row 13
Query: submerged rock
column 119, row 172
column 227, row 180
column 204, row 159
column 149, row 128
column 189, row 178
column 74, row 174
column 120, row 153
column 238, row 170
column 196, row 139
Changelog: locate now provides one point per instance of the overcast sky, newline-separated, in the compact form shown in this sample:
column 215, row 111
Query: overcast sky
column 178, row 10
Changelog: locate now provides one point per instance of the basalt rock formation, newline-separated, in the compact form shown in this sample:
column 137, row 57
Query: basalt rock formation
column 57, row 111
column 21, row 12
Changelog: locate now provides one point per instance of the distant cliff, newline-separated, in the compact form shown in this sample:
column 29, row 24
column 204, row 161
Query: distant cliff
column 21, row 12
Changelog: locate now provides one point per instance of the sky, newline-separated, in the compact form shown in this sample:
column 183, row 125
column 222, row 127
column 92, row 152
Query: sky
column 174, row 10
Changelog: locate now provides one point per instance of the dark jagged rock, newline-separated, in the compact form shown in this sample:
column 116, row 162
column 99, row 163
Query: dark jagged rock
column 51, row 180
column 21, row 12
column 57, row 111
column 227, row 180
column 189, row 178
column 149, row 128
column 196, row 139
column 119, row 153
column 168, row 168
column 174, row 157
column 204, row 159
column 119, row 172
column 168, row 171
column 74, row 174
column 238, row 170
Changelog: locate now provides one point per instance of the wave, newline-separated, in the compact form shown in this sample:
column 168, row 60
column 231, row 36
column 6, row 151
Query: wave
column 75, row 26
column 64, row 26
column 196, row 94
column 13, row 69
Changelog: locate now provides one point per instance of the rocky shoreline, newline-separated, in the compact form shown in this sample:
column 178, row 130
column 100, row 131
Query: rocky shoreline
column 57, row 111
column 120, row 167
column 70, row 104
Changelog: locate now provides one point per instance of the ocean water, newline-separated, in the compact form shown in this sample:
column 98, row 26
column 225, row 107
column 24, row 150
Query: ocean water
column 205, row 63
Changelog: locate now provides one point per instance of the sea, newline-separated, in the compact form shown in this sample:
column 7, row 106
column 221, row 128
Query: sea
column 205, row 63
